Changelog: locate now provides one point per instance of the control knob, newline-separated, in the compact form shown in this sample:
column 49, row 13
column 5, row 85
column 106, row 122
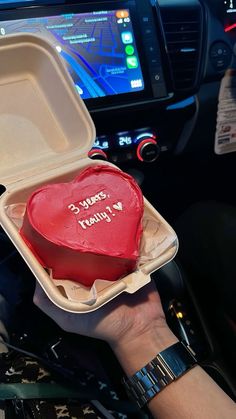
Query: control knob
column 97, row 154
column 148, row 150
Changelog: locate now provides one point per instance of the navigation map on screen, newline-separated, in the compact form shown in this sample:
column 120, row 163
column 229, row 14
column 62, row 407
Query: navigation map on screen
column 99, row 49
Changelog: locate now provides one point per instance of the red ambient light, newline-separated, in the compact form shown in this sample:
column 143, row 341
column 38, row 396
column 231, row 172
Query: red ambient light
column 230, row 27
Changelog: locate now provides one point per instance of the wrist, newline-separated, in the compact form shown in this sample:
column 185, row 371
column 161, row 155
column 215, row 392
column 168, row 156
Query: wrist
column 136, row 350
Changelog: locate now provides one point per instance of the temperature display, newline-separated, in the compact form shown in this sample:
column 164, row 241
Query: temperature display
column 124, row 140
column 101, row 143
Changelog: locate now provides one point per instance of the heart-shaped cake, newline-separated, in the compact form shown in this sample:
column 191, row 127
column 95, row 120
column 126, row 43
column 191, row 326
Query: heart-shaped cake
column 86, row 229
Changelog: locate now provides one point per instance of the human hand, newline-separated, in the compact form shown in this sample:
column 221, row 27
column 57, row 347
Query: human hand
column 125, row 323
column 126, row 315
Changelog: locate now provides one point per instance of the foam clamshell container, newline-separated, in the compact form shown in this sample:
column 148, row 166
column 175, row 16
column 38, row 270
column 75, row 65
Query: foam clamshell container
column 45, row 135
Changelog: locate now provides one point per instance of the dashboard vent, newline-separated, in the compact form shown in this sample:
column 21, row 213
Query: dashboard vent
column 183, row 32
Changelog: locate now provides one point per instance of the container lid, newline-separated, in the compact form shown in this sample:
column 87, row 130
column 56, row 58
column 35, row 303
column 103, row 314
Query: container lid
column 44, row 123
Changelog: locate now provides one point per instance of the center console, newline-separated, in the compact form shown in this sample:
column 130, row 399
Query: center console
column 127, row 58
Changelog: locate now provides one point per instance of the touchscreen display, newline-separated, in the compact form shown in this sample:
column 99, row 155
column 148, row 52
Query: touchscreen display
column 99, row 49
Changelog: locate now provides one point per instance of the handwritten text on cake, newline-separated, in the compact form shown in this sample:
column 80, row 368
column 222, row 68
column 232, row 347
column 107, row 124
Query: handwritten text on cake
column 99, row 216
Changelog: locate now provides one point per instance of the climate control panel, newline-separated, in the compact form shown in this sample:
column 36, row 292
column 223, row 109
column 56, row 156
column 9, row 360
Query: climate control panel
column 141, row 144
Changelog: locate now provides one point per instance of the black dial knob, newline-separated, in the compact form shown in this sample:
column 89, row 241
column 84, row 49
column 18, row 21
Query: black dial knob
column 97, row 154
column 148, row 150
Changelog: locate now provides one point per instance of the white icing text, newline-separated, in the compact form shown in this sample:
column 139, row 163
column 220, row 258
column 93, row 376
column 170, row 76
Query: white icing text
column 88, row 202
column 96, row 218
column 92, row 200
column 105, row 215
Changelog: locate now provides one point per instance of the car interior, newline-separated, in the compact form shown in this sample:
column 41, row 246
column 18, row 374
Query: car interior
column 150, row 72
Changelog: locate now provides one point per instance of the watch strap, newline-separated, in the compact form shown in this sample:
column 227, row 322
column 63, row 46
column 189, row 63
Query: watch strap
column 165, row 368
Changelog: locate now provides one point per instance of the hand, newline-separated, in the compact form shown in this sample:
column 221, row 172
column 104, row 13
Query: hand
column 135, row 327
column 126, row 315
column 128, row 323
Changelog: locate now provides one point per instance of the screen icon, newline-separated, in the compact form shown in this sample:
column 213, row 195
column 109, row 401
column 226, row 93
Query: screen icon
column 127, row 37
column 136, row 83
column 132, row 62
column 129, row 49
column 79, row 90
column 122, row 14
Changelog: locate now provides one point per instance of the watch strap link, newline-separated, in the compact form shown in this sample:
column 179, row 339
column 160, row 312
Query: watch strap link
column 165, row 368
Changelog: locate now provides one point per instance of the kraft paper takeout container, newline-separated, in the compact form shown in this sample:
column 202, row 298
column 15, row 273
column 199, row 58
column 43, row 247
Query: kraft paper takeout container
column 45, row 135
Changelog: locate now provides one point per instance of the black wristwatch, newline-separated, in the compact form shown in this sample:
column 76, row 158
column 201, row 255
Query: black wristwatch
column 165, row 368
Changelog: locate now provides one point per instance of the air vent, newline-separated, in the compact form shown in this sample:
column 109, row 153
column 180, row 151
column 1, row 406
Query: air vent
column 183, row 32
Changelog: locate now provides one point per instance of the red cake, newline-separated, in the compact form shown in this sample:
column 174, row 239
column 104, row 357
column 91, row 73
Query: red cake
column 86, row 229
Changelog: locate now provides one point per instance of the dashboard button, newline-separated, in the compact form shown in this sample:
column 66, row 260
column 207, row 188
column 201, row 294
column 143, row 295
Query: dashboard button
column 154, row 61
column 97, row 154
column 152, row 49
column 220, row 56
column 146, row 19
column 157, row 76
column 148, row 32
column 159, row 89
column 148, row 150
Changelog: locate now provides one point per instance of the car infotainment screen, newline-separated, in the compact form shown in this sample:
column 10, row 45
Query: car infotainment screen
column 99, row 49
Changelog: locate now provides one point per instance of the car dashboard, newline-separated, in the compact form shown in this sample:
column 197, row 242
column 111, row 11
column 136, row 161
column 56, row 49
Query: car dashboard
column 149, row 72
column 138, row 64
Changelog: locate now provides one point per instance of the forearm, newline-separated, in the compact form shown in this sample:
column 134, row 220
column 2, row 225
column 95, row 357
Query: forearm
column 193, row 395
column 137, row 333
